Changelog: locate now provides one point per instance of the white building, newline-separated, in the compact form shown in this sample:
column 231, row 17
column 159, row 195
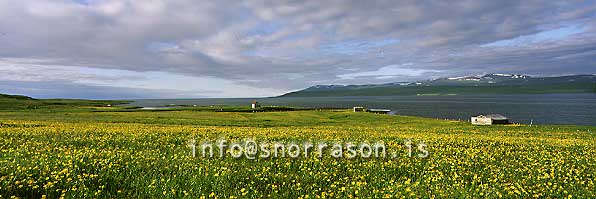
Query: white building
column 489, row 119
column 255, row 104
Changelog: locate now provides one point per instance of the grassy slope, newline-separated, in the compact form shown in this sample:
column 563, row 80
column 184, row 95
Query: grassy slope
column 24, row 103
column 415, row 90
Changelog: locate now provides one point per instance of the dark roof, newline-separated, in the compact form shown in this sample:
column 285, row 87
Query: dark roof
column 493, row 116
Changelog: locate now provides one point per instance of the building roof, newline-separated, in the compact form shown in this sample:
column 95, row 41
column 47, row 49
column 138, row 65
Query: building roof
column 493, row 116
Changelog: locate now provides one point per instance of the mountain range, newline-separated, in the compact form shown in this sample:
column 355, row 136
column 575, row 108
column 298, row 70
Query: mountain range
column 472, row 84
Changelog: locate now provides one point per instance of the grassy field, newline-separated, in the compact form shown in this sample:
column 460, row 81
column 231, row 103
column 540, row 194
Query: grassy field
column 93, row 151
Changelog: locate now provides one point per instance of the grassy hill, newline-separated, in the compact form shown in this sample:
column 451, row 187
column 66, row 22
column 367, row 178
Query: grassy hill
column 25, row 103
column 487, row 84
column 16, row 97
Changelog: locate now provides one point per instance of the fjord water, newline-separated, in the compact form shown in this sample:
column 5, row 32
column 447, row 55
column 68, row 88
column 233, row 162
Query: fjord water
column 579, row 109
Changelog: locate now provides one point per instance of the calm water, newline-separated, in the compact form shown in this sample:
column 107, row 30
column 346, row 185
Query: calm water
column 577, row 109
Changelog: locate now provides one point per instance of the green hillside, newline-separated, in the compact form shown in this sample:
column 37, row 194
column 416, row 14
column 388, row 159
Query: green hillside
column 488, row 84
column 24, row 103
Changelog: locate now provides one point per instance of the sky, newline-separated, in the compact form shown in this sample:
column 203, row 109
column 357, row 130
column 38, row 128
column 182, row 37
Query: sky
column 129, row 49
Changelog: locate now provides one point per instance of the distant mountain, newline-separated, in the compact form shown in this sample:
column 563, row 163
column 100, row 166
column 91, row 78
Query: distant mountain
column 474, row 84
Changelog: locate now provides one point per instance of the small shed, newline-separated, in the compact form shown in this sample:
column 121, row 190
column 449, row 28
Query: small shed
column 489, row 119
column 359, row 109
column 255, row 104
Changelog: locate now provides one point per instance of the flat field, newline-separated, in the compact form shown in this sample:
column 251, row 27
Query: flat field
column 93, row 152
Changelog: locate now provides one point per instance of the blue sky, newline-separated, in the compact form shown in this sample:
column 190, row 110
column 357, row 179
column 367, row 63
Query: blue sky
column 355, row 47
column 540, row 37
column 120, row 49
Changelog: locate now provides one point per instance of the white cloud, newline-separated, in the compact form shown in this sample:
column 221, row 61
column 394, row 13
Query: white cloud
column 281, row 45
column 189, row 86
column 388, row 72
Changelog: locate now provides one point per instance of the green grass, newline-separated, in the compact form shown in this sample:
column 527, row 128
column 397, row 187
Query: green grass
column 24, row 103
column 204, row 118
column 87, row 151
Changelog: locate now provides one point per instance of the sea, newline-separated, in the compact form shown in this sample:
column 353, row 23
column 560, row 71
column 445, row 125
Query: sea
column 574, row 109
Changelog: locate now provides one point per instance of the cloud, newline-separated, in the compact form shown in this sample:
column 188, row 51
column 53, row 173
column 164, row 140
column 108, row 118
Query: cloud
column 272, row 47
column 388, row 72
column 33, row 75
